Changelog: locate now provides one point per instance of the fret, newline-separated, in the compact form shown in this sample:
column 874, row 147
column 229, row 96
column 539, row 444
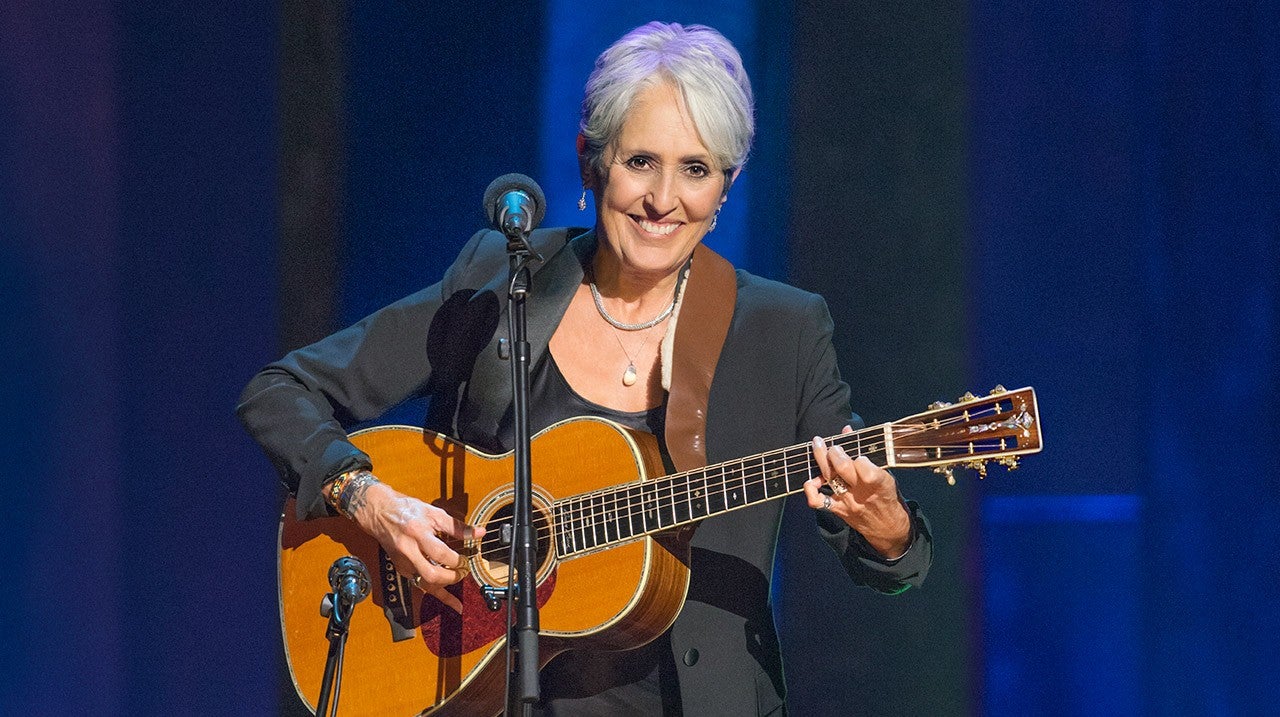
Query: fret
column 775, row 473
column 584, row 523
column 565, row 524
column 697, row 488
column 649, row 505
column 618, row 514
column 801, row 460
column 667, row 503
column 802, row 467
column 753, row 480
column 597, row 521
column 635, row 511
column 606, row 518
column 556, row 532
column 680, row 498
column 734, row 496
column 717, row 499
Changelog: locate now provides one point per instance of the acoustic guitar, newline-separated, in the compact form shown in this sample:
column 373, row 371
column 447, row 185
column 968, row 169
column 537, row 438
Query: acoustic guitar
column 612, row 545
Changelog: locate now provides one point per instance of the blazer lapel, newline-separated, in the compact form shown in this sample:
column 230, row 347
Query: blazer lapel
column 551, row 289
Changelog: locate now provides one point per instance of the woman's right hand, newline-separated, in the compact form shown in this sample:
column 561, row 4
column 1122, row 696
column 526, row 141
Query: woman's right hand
column 411, row 532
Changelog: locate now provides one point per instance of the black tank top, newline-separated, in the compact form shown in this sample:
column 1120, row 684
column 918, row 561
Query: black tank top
column 635, row 682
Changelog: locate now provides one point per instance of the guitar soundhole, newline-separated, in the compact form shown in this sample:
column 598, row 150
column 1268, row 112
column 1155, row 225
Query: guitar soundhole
column 495, row 546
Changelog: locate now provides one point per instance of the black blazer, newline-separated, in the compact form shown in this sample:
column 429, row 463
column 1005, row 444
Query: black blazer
column 776, row 384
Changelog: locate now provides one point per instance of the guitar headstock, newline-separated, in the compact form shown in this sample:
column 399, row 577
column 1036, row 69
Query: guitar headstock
column 976, row 429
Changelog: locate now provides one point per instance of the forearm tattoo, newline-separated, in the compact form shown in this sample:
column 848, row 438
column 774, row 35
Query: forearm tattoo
column 347, row 492
column 356, row 495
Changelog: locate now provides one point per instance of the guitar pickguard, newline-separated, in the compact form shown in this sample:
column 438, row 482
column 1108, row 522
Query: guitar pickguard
column 448, row 634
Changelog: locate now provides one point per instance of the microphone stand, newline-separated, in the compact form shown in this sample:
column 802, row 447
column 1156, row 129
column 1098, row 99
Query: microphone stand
column 338, row 609
column 522, row 640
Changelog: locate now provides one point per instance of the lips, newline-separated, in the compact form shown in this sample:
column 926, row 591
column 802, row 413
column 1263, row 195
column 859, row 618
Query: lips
column 659, row 228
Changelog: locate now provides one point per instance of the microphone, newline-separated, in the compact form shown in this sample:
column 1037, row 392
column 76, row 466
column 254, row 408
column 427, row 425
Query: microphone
column 349, row 579
column 514, row 204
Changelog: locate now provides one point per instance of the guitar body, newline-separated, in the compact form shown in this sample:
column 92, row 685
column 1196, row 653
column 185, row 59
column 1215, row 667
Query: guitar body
column 409, row 654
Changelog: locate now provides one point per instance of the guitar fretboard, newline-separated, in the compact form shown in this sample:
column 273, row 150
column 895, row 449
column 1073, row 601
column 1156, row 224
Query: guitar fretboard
column 602, row 519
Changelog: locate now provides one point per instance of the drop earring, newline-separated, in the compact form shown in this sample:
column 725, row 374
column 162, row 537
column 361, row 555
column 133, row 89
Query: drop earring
column 582, row 201
column 714, row 219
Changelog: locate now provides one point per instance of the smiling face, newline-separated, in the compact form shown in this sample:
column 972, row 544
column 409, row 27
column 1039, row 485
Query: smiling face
column 658, row 191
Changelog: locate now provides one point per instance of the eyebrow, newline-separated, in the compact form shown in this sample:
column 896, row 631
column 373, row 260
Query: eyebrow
column 704, row 158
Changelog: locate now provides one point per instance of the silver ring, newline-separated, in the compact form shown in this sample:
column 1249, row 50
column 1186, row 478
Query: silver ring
column 417, row 582
column 826, row 502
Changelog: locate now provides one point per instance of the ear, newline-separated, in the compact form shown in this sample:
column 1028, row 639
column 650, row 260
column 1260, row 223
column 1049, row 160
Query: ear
column 728, row 182
column 584, row 165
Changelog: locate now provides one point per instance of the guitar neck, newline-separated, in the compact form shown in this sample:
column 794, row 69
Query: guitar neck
column 602, row 519
column 999, row 426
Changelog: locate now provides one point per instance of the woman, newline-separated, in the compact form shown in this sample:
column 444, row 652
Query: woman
column 635, row 321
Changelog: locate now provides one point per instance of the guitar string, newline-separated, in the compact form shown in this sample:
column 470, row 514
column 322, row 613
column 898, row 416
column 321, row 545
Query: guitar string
column 589, row 518
column 616, row 495
column 581, row 515
column 592, row 527
column 847, row 441
column 585, row 519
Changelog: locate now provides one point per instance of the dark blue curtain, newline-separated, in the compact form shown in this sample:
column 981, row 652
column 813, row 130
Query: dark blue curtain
column 1126, row 212
column 1210, row 284
column 138, row 158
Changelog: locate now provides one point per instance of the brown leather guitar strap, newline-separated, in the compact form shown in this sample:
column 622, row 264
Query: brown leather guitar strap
column 706, row 308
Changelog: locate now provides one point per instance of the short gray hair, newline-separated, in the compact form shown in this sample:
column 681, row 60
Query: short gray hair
column 703, row 65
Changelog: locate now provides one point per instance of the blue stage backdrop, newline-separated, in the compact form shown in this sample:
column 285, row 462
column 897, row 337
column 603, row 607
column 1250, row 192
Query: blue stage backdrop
column 1126, row 230
column 138, row 170
column 1081, row 197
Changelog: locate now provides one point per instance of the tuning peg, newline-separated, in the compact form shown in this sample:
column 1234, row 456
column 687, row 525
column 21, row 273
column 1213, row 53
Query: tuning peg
column 968, row 396
column 998, row 390
column 1009, row 462
column 947, row 471
column 979, row 466
column 939, row 404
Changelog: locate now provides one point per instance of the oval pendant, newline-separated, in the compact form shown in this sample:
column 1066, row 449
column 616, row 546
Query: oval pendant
column 629, row 376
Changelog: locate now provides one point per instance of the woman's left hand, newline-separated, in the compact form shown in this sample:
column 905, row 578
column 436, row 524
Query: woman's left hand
column 869, row 504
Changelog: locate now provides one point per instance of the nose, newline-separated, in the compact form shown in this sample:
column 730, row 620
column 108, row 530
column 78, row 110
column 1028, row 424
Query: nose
column 663, row 193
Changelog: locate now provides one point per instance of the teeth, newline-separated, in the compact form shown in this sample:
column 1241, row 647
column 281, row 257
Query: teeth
column 652, row 228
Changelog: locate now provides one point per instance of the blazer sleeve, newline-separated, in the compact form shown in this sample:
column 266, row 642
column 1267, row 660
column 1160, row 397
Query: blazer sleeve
column 297, row 408
column 824, row 411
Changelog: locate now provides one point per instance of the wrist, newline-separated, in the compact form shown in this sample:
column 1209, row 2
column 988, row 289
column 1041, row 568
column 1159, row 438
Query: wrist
column 346, row 492
column 894, row 545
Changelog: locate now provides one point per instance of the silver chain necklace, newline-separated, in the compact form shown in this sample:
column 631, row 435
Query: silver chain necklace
column 630, row 375
column 595, row 294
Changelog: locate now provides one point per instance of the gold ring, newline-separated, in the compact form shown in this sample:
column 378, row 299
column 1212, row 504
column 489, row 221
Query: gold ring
column 838, row 488
column 417, row 582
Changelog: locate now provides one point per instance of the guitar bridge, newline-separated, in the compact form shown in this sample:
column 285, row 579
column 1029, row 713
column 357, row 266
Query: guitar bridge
column 395, row 602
